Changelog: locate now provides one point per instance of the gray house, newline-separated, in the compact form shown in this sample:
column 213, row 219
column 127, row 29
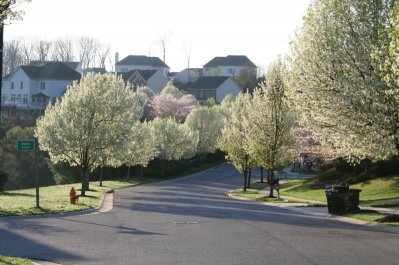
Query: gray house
column 33, row 86
column 216, row 87
column 238, row 66
column 141, row 62
column 152, row 79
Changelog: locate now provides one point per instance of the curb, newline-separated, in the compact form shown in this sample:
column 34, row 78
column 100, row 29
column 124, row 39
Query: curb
column 327, row 215
column 43, row 262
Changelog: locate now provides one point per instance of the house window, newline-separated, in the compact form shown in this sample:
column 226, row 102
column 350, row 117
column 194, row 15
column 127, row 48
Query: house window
column 33, row 99
column 42, row 85
column 12, row 97
column 12, row 85
column 22, row 85
column 25, row 99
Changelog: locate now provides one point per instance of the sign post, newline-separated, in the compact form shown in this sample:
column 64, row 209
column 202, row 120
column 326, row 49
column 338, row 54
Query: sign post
column 29, row 145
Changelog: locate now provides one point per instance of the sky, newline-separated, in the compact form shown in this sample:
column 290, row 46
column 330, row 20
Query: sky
column 259, row 29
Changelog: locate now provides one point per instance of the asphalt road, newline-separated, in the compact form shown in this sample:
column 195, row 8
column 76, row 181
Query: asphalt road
column 189, row 221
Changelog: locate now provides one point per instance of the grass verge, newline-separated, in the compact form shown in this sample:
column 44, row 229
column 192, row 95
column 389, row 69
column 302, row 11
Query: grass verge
column 376, row 189
column 382, row 204
column 55, row 199
column 5, row 260
column 253, row 194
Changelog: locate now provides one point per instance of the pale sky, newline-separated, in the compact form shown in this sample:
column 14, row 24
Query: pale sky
column 260, row 29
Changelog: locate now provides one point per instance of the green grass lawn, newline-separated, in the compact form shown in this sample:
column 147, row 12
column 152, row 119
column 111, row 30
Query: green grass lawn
column 253, row 194
column 382, row 204
column 55, row 199
column 370, row 217
column 5, row 260
column 376, row 189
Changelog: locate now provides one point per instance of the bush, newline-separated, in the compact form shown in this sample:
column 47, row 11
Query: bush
column 3, row 180
column 64, row 173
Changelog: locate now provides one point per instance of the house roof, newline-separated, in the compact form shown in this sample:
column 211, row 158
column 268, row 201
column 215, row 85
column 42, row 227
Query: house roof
column 145, row 74
column 72, row 65
column 41, row 95
column 142, row 60
column 230, row 60
column 51, row 70
column 95, row 70
column 207, row 82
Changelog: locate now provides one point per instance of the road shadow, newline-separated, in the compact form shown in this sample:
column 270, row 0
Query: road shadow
column 33, row 249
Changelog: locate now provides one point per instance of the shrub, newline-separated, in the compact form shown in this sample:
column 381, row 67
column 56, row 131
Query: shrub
column 3, row 180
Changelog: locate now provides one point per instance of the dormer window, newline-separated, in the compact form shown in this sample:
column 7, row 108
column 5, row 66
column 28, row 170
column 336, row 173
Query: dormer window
column 42, row 85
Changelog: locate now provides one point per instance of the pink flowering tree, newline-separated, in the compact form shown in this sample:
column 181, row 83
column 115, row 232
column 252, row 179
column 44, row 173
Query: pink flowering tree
column 168, row 106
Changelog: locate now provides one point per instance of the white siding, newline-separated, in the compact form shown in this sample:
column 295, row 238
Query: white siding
column 228, row 87
column 157, row 82
column 17, row 77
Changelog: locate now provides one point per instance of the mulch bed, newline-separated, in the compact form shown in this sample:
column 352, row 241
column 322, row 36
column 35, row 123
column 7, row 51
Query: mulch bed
column 393, row 218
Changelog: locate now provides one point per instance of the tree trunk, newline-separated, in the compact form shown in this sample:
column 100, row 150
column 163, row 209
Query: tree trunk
column 83, row 189
column 101, row 176
column 128, row 173
column 249, row 178
column 245, row 180
column 271, row 180
column 261, row 175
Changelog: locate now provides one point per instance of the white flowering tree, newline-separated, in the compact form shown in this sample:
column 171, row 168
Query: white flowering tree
column 138, row 148
column 95, row 117
column 337, row 85
column 270, row 135
column 233, row 139
column 170, row 89
column 209, row 122
column 173, row 141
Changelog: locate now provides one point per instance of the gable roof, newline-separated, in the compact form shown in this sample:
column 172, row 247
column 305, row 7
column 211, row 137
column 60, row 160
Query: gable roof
column 95, row 70
column 51, row 70
column 142, row 60
column 207, row 82
column 230, row 60
column 145, row 74
column 72, row 65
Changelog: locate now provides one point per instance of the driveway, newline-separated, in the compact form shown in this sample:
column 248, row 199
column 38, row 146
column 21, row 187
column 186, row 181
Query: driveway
column 190, row 221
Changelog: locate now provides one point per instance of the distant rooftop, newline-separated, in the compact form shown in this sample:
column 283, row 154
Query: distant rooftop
column 142, row 60
column 230, row 60
column 207, row 82
column 51, row 70
column 146, row 74
column 72, row 65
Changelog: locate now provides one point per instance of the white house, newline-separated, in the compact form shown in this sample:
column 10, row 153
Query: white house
column 153, row 79
column 33, row 86
column 230, row 65
column 216, row 87
column 141, row 62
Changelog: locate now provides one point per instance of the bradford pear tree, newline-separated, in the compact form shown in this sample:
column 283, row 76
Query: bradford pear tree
column 209, row 122
column 95, row 116
column 139, row 148
column 233, row 139
column 173, row 141
column 337, row 86
column 270, row 128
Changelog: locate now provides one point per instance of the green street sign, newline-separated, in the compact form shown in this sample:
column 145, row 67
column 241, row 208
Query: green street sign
column 27, row 145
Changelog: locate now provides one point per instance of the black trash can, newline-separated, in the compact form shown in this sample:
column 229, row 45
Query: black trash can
column 336, row 198
column 352, row 203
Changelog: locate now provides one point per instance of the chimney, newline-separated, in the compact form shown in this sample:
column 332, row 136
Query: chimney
column 116, row 57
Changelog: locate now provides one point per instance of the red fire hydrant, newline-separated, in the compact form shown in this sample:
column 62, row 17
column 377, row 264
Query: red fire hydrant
column 72, row 195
